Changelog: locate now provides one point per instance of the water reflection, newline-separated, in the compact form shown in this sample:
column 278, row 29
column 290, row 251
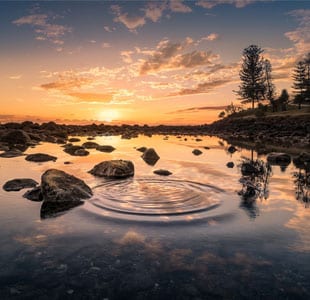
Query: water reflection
column 302, row 186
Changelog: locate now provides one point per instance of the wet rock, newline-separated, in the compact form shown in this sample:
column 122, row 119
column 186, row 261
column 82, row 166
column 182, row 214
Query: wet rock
column 206, row 147
column 105, row 148
column 196, row 152
column 113, row 169
column 58, row 186
column 74, row 140
column 12, row 153
column 91, row 138
column 90, row 145
column 275, row 158
column 34, row 195
column 13, row 137
column 232, row 149
column 67, row 162
column 19, row 184
column 141, row 149
column 198, row 140
column 302, row 161
column 40, row 157
column 230, row 164
column 150, row 156
column 75, row 150
column 162, row 172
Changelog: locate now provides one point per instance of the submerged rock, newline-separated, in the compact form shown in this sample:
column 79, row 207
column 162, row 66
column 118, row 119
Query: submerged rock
column 90, row 145
column 34, row 195
column 12, row 153
column 162, row 172
column 113, row 169
column 19, row 184
column 58, row 186
column 75, row 150
column 276, row 158
column 105, row 148
column 150, row 156
column 54, row 209
column 196, row 152
column 40, row 157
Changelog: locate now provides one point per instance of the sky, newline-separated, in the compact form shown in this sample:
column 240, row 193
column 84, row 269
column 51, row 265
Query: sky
column 140, row 62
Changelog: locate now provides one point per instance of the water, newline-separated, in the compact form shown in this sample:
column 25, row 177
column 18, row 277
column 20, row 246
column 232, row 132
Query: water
column 186, row 236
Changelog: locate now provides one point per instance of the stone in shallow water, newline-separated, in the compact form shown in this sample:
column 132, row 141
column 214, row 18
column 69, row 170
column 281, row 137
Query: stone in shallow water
column 73, row 140
column 150, row 156
column 58, row 186
column 40, row 157
column 162, row 172
column 113, row 169
column 90, row 145
column 196, row 152
column 75, row 150
column 105, row 148
column 54, row 209
column 19, row 184
column 15, row 137
column 34, row 194
column 141, row 149
column 230, row 164
column 12, row 153
column 232, row 149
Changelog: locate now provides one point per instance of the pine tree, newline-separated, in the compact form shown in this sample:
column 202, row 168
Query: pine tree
column 307, row 77
column 283, row 99
column 252, row 77
column 270, row 87
column 299, row 77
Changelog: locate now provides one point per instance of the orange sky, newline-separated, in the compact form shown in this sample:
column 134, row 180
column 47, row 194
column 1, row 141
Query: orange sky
column 158, row 62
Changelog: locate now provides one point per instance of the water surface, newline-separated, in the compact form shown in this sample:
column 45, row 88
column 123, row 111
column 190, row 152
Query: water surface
column 186, row 236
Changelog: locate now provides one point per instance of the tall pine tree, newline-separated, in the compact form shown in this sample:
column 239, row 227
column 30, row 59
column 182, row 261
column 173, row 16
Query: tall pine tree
column 252, row 88
column 299, row 77
column 270, row 87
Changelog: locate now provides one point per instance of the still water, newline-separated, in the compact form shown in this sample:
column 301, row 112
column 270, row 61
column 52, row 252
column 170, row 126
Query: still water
column 190, row 235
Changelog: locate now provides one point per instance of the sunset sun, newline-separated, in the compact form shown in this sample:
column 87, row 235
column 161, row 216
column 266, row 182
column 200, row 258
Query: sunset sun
column 108, row 115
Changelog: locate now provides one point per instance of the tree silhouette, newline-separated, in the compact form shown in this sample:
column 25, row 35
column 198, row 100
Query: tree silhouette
column 252, row 77
column 299, row 77
column 270, row 87
column 283, row 99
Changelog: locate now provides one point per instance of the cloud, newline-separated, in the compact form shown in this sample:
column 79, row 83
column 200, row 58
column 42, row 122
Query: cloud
column 179, row 6
column 92, row 97
column 211, row 37
column 109, row 29
column 154, row 10
column 170, row 56
column 202, row 88
column 44, row 28
column 301, row 36
column 212, row 3
column 197, row 109
column 131, row 22
column 106, row 45
column 126, row 56
column 15, row 77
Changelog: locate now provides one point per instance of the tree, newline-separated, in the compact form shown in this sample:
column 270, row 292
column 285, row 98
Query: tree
column 283, row 99
column 270, row 87
column 301, row 83
column 252, row 77
column 299, row 77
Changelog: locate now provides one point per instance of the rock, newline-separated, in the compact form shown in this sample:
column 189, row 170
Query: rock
column 162, row 172
column 105, row 148
column 67, row 162
column 58, row 186
column 90, row 145
column 34, row 195
column 141, row 149
column 230, row 164
column 11, row 153
column 54, row 209
column 19, row 184
column 275, row 158
column 150, row 156
column 248, row 169
column 232, row 149
column 74, row 140
column 40, row 157
column 113, row 169
column 302, row 161
column 198, row 140
column 196, row 152
column 75, row 150
column 206, row 147
column 13, row 137
column 91, row 138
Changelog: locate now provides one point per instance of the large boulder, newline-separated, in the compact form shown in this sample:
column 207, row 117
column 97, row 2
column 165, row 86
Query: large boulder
column 150, row 156
column 19, row 184
column 58, row 186
column 113, row 169
column 275, row 158
column 40, row 157
column 13, row 137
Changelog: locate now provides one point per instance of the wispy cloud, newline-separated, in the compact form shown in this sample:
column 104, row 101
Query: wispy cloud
column 15, row 77
column 44, row 28
column 199, row 108
column 179, row 6
column 91, row 97
column 212, row 3
column 171, row 56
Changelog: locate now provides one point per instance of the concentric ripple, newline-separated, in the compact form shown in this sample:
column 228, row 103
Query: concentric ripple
column 150, row 199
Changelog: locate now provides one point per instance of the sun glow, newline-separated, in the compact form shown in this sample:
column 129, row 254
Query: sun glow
column 108, row 115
